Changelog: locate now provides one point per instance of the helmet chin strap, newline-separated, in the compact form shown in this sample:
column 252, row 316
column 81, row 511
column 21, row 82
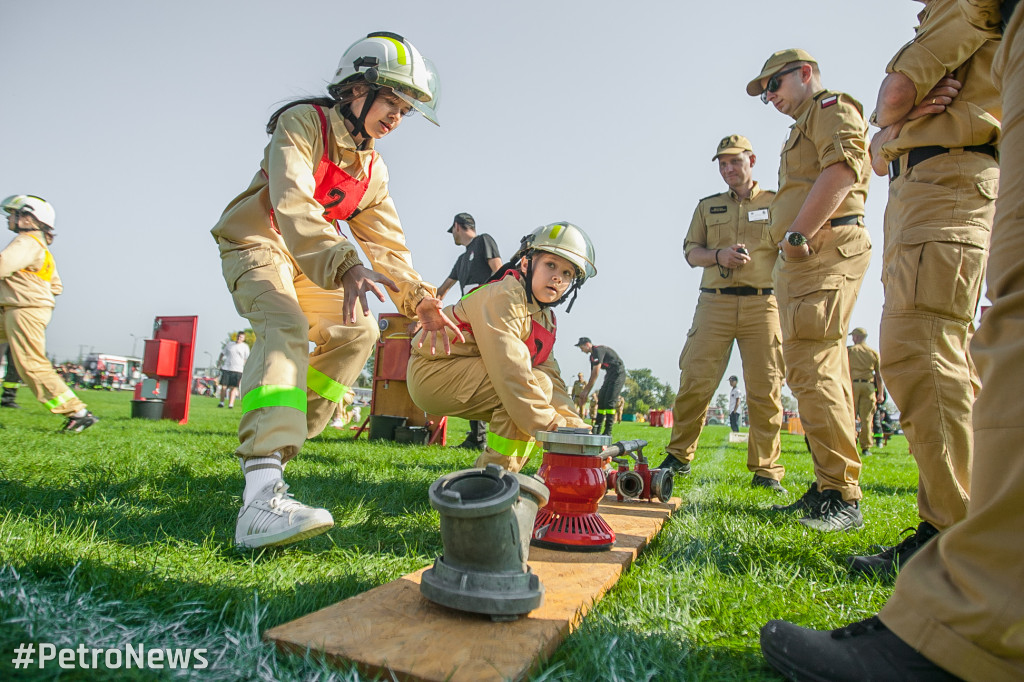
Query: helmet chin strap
column 574, row 290
column 359, row 122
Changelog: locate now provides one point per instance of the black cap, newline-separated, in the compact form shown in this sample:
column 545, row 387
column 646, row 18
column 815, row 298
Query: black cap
column 733, row 378
column 463, row 219
column 583, row 340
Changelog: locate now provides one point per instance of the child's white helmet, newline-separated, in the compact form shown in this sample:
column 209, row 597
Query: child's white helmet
column 387, row 59
column 39, row 208
column 568, row 241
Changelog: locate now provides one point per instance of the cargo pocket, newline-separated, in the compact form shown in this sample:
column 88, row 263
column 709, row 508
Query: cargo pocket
column 816, row 310
column 939, row 277
column 949, row 277
column 250, row 273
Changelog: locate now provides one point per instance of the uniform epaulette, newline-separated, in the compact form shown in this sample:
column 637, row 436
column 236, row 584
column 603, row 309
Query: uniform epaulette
column 712, row 196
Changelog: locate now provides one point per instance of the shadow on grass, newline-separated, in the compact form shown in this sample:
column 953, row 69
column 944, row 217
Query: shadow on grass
column 162, row 592
column 606, row 652
column 178, row 504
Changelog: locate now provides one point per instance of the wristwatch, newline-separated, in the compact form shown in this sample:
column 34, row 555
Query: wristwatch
column 796, row 238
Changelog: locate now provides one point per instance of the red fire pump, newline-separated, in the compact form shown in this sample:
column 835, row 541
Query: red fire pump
column 573, row 471
column 643, row 482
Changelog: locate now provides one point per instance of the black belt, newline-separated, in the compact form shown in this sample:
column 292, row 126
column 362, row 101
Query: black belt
column 738, row 291
column 919, row 154
column 863, row 381
column 845, row 220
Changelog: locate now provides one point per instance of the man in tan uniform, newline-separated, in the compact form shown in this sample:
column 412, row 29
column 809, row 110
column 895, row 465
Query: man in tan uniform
column 28, row 284
column 729, row 237
column 937, row 144
column 823, row 182
column 957, row 607
column 867, row 385
column 577, row 391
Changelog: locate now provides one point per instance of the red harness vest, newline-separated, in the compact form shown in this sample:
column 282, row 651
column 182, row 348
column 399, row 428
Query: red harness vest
column 540, row 342
column 337, row 191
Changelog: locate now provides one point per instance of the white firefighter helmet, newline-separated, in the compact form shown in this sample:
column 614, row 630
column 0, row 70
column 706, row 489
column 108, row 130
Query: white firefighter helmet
column 388, row 59
column 39, row 208
column 568, row 241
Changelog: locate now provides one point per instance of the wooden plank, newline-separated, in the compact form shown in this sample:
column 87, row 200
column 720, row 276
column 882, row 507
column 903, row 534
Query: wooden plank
column 394, row 629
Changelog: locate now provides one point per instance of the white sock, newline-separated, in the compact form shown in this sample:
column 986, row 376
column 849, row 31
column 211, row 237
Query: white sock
column 259, row 473
column 81, row 413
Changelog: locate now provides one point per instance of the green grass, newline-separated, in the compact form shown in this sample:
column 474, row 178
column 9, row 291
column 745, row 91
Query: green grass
column 124, row 534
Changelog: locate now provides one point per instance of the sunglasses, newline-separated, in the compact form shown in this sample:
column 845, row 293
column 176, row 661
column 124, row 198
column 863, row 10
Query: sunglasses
column 773, row 82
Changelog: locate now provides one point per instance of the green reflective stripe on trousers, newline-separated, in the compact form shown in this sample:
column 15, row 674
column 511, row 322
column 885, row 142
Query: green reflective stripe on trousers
column 274, row 396
column 324, row 386
column 11, row 384
column 608, row 411
column 60, row 400
column 511, row 448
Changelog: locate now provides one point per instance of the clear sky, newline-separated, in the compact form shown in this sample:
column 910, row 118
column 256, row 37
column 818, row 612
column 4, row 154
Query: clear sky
column 139, row 121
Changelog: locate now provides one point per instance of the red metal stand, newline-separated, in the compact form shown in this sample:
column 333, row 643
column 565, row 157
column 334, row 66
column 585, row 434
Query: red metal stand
column 169, row 356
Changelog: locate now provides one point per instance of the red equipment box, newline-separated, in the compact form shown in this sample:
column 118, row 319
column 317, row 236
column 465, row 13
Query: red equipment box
column 160, row 358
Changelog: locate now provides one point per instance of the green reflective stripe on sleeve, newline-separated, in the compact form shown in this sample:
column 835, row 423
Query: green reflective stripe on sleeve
column 511, row 448
column 610, row 410
column 324, row 386
column 60, row 400
column 11, row 384
column 465, row 296
column 274, row 396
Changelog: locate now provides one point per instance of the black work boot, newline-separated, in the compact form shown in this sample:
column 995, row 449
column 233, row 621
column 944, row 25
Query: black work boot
column 675, row 466
column 834, row 514
column 609, row 421
column 808, row 501
column 888, row 562
column 860, row 652
column 471, row 442
column 760, row 481
column 9, row 398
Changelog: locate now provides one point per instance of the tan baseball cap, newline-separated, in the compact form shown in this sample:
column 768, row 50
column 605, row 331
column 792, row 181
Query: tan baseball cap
column 734, row 144
column 859, row 330
column 775, row 63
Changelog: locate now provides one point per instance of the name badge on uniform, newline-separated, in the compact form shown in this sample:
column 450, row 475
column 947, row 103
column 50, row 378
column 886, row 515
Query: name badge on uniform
column 719, row 209
column 759, row 214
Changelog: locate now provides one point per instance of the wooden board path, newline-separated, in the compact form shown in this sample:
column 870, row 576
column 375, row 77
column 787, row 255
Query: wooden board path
column 393, row 629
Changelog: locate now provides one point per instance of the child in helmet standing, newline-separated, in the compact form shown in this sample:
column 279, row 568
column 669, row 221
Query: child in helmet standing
column 28, row 284
column 505, row 373
column 297, row 279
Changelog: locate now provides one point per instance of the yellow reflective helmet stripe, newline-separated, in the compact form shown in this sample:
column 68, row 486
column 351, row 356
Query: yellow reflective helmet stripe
column 324, row 386
column 510, row 447
column 403, row 57
column 274, row 396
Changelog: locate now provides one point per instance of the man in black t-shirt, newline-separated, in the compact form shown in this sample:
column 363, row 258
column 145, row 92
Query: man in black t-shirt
column 603, row 357
column 481, row 258
column 472, row 269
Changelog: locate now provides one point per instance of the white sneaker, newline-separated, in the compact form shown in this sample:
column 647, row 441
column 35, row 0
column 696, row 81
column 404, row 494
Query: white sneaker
column 338, row 423
column 276, row 518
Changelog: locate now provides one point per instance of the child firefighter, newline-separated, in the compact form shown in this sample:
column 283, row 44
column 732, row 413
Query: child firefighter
column 505, row 373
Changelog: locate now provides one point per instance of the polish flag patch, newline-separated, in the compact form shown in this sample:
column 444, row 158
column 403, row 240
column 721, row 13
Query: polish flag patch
column 829, row 101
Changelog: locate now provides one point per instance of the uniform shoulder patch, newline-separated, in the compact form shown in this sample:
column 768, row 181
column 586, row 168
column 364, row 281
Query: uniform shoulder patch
column 719, row 209
column 829, row 101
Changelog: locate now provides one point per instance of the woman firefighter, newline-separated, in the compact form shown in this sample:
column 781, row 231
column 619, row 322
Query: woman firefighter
column 505, row 373
column 28, row 284
column 297, row 279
